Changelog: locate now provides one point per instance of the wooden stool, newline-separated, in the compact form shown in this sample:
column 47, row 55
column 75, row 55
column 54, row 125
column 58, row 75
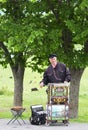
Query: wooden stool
column 17, row 113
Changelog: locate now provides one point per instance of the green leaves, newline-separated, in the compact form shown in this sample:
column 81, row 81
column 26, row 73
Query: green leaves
column 84, row 5
column 35, row 28
column 36, row 35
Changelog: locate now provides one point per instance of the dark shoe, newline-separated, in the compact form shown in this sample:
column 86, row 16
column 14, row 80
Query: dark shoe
column 54, row 121
column 65, row 121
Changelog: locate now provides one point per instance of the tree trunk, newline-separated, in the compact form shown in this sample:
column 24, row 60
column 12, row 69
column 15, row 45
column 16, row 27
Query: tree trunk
column 76, row 75
column 18, row 73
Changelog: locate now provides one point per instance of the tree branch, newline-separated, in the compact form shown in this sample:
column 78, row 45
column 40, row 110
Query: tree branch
column 7, row 54
column 53, row 10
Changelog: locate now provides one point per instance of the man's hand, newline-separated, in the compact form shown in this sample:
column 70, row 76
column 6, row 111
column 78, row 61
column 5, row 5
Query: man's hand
column 65, row 82
column 41, row 84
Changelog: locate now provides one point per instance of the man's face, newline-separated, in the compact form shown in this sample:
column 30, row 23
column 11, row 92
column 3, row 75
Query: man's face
column 53, row 60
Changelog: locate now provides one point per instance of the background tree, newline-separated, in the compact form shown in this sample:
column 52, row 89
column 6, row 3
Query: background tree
column 32, row 29
column 19, row 27
column 66, row 23
column 72, row 17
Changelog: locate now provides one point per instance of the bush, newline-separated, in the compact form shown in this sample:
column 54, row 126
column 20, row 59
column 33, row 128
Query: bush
column 5, row 91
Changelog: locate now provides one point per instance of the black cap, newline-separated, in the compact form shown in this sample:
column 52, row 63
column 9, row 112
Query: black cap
column 52, row 55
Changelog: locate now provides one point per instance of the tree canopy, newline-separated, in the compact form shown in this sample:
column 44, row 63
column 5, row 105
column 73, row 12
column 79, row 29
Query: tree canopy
column 40, row 27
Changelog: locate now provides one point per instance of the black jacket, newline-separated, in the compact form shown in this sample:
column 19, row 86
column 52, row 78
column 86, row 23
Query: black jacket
column 59, row 74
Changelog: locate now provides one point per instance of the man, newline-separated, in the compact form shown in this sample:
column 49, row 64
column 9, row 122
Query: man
column 56, row 72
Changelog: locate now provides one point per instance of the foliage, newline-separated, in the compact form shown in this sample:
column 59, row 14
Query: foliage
column 36, row 28
column 5, row 91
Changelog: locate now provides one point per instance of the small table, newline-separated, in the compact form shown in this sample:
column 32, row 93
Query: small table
column 17, row 112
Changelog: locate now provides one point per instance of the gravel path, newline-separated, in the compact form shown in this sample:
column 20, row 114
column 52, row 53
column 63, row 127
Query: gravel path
column 28, row 126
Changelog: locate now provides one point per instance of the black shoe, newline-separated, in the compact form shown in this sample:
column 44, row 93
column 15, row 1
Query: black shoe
column 65, row 121
column 54, row 121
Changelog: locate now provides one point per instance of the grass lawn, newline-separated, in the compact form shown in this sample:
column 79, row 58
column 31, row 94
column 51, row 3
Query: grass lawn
column 31, row 80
